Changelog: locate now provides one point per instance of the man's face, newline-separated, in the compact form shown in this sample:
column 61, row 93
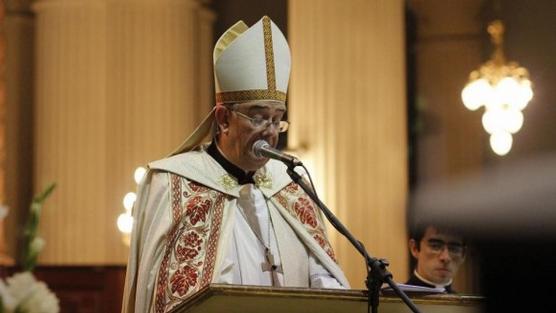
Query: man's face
column 439, row 255
column 241, row 134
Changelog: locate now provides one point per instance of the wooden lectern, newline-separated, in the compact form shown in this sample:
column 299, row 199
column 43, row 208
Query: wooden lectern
column 246, row 299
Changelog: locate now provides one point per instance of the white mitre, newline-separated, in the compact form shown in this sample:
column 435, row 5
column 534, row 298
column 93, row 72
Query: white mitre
column 250, row 64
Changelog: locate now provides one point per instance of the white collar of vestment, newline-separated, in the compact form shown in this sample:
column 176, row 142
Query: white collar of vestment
column 199, row 166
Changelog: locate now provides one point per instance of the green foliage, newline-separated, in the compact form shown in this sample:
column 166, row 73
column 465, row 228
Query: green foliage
column 32, row 243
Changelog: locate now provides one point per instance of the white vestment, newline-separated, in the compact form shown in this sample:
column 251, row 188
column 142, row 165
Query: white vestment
column 193, row 225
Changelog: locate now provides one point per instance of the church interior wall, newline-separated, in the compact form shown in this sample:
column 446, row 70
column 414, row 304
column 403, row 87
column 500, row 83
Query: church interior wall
column 129, row 76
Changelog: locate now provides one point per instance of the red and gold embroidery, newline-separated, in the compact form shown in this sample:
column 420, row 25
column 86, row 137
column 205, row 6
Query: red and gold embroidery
column 305, row 212
column 300, row 206
column 323, row 242
column 183, row 279
column 197, row 209
column 210, row 256
column 191, row 243
column 188, row 246
column 292, row 188
column 197, row 187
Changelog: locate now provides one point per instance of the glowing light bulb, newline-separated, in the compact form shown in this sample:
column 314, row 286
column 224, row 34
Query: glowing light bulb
column 508, row 91
column 525, row 94
column 493, row 120
column 139, row 173
column 125, row 223
column 129, row 200
column 501, row 142
column 513, row 120
column 476, row 94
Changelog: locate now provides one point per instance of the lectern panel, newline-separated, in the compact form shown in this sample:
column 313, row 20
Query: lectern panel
column 244, row 299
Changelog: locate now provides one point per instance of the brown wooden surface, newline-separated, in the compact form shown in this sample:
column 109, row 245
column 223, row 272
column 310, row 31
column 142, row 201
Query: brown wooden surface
column 83, row 289
column 96, row 289
column 244, row 299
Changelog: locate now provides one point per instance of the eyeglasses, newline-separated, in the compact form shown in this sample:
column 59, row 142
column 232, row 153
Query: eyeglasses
column 455, row 249
column 260, row 123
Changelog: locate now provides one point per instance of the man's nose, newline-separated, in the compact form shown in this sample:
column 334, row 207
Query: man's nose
column 445, row 255
column 271, row 130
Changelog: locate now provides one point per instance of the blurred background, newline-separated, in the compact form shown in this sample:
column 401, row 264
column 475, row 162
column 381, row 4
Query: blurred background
column 90, row 90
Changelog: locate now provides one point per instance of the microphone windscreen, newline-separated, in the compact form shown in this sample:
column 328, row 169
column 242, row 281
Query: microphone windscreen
column 258, row 146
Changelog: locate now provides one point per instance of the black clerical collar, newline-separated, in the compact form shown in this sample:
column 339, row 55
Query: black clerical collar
column 416, row 280
column 242, row 177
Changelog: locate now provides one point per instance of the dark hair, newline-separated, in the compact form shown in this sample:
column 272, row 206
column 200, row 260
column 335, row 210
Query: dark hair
column 417, row 233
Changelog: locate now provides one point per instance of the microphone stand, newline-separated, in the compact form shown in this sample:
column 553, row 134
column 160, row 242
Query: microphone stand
column 377, row 274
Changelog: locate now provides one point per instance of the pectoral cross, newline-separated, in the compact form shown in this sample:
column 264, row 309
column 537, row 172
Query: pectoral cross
column 270, row 266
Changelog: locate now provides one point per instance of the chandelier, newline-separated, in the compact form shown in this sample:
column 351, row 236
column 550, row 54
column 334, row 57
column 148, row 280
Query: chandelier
column 503, row 88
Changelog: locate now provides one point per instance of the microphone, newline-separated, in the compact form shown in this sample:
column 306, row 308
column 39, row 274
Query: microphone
column 261, row 148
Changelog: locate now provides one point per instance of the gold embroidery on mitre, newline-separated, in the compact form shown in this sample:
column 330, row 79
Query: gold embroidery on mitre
column 263, row 180
column 248, row 95
column 228, row 182
column 269, row 54
column 227, row 38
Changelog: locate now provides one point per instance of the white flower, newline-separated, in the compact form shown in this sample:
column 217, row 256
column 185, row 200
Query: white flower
column 20, row 285
column 36, row 245
column 8, row 301
column 35, row 207
column 41, row 300
column 26, row 294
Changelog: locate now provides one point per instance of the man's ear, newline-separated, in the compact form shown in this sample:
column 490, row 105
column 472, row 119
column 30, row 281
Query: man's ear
column 413, row 248
column 222, row 115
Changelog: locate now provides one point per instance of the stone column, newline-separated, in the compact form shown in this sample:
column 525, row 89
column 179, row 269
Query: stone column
column 116, row 88
column 347, row 106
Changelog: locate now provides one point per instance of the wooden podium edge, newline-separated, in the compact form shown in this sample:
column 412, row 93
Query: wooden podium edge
column 323, row 294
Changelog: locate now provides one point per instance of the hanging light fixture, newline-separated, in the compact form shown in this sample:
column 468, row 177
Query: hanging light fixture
column 503, row 88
